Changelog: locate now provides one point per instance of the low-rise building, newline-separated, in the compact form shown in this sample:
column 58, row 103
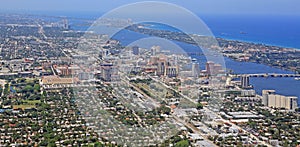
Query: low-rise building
column 52, row 80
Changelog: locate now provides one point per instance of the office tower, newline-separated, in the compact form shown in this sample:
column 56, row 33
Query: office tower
column 161, row 67
column 172, row 71
column 213, row 69
column 208, row 67
column 135, row 50
column 245, row 82
column 106, row 72
column 195, row 69
column 65, row 24
column 291, row 103
column 155, row 50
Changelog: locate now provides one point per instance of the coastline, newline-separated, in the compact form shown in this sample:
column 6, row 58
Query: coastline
column 255, row 42
column 92, row 16
column 254, row 67
column 273, row 56
column 225, row 37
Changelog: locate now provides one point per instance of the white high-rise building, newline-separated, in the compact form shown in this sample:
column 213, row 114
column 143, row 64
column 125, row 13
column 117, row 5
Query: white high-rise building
column 155, row 50
column 195, row 69
column 65, row 24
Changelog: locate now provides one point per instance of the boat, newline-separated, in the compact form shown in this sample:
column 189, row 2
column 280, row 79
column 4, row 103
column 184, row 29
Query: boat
column 298, row 78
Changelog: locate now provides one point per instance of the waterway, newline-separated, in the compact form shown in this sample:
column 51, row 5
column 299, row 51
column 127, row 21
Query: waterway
column 284, row 86
column 267, row 31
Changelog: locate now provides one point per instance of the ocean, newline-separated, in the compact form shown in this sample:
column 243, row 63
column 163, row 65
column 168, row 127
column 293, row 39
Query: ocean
column 272, row 30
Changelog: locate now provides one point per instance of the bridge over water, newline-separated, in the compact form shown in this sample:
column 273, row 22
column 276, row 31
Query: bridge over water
column 265, row 75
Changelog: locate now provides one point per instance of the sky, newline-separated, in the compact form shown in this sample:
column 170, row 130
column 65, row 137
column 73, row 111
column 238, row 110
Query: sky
column 267, row 7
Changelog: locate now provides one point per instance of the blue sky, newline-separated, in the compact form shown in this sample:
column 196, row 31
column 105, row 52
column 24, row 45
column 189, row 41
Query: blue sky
column 275, row 7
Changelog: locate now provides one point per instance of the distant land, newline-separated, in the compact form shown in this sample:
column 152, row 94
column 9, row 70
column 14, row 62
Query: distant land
column 274, row 56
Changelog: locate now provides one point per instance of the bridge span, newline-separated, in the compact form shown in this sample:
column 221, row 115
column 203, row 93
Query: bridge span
column 265, row 75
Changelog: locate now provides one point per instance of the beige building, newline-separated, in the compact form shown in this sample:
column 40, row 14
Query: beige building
column 265, row 94
column 213, row 68
column 52, row 80
column 273, row 100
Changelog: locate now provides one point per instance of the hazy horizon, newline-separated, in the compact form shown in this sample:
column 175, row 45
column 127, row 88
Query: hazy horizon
column 266, row 7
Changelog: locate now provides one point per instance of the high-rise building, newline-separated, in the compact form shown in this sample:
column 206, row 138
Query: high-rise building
column 273, row 100
column 213, row 68
column 155, row 50
column 106, row 72
column 172, row 71
column 265, row 94
column 65, row 24
column 135, row 50
column 153, row 60
column 208, row 67
column 161, row 67
column 195, row 69
column 245, row 82
column 291, row 103
column 164, row 66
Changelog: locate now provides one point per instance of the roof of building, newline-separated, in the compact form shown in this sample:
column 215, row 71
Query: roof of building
column 49, row 80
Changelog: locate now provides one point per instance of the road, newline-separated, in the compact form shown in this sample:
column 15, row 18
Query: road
column 210, row 111
column 193, row 128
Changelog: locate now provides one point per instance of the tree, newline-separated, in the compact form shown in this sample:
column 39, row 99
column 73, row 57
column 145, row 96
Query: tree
column 252, row 124
column 199, row 106
column 22, row 80
column 6, row 89
column 36, row 87
column 44, row 143
column 28, row 88
column 182, row 143
column 98, row 144
column 164, row 110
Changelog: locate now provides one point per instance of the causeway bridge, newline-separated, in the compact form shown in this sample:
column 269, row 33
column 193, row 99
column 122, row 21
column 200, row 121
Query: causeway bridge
column 265, row 75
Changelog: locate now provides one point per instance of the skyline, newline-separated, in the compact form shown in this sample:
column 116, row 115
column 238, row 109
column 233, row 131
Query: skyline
column 267, row 7
column 150, row 73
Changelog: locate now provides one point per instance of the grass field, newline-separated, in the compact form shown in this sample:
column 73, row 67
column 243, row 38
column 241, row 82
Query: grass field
column 31, row 102
column 27, row 104
column 23, row 106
